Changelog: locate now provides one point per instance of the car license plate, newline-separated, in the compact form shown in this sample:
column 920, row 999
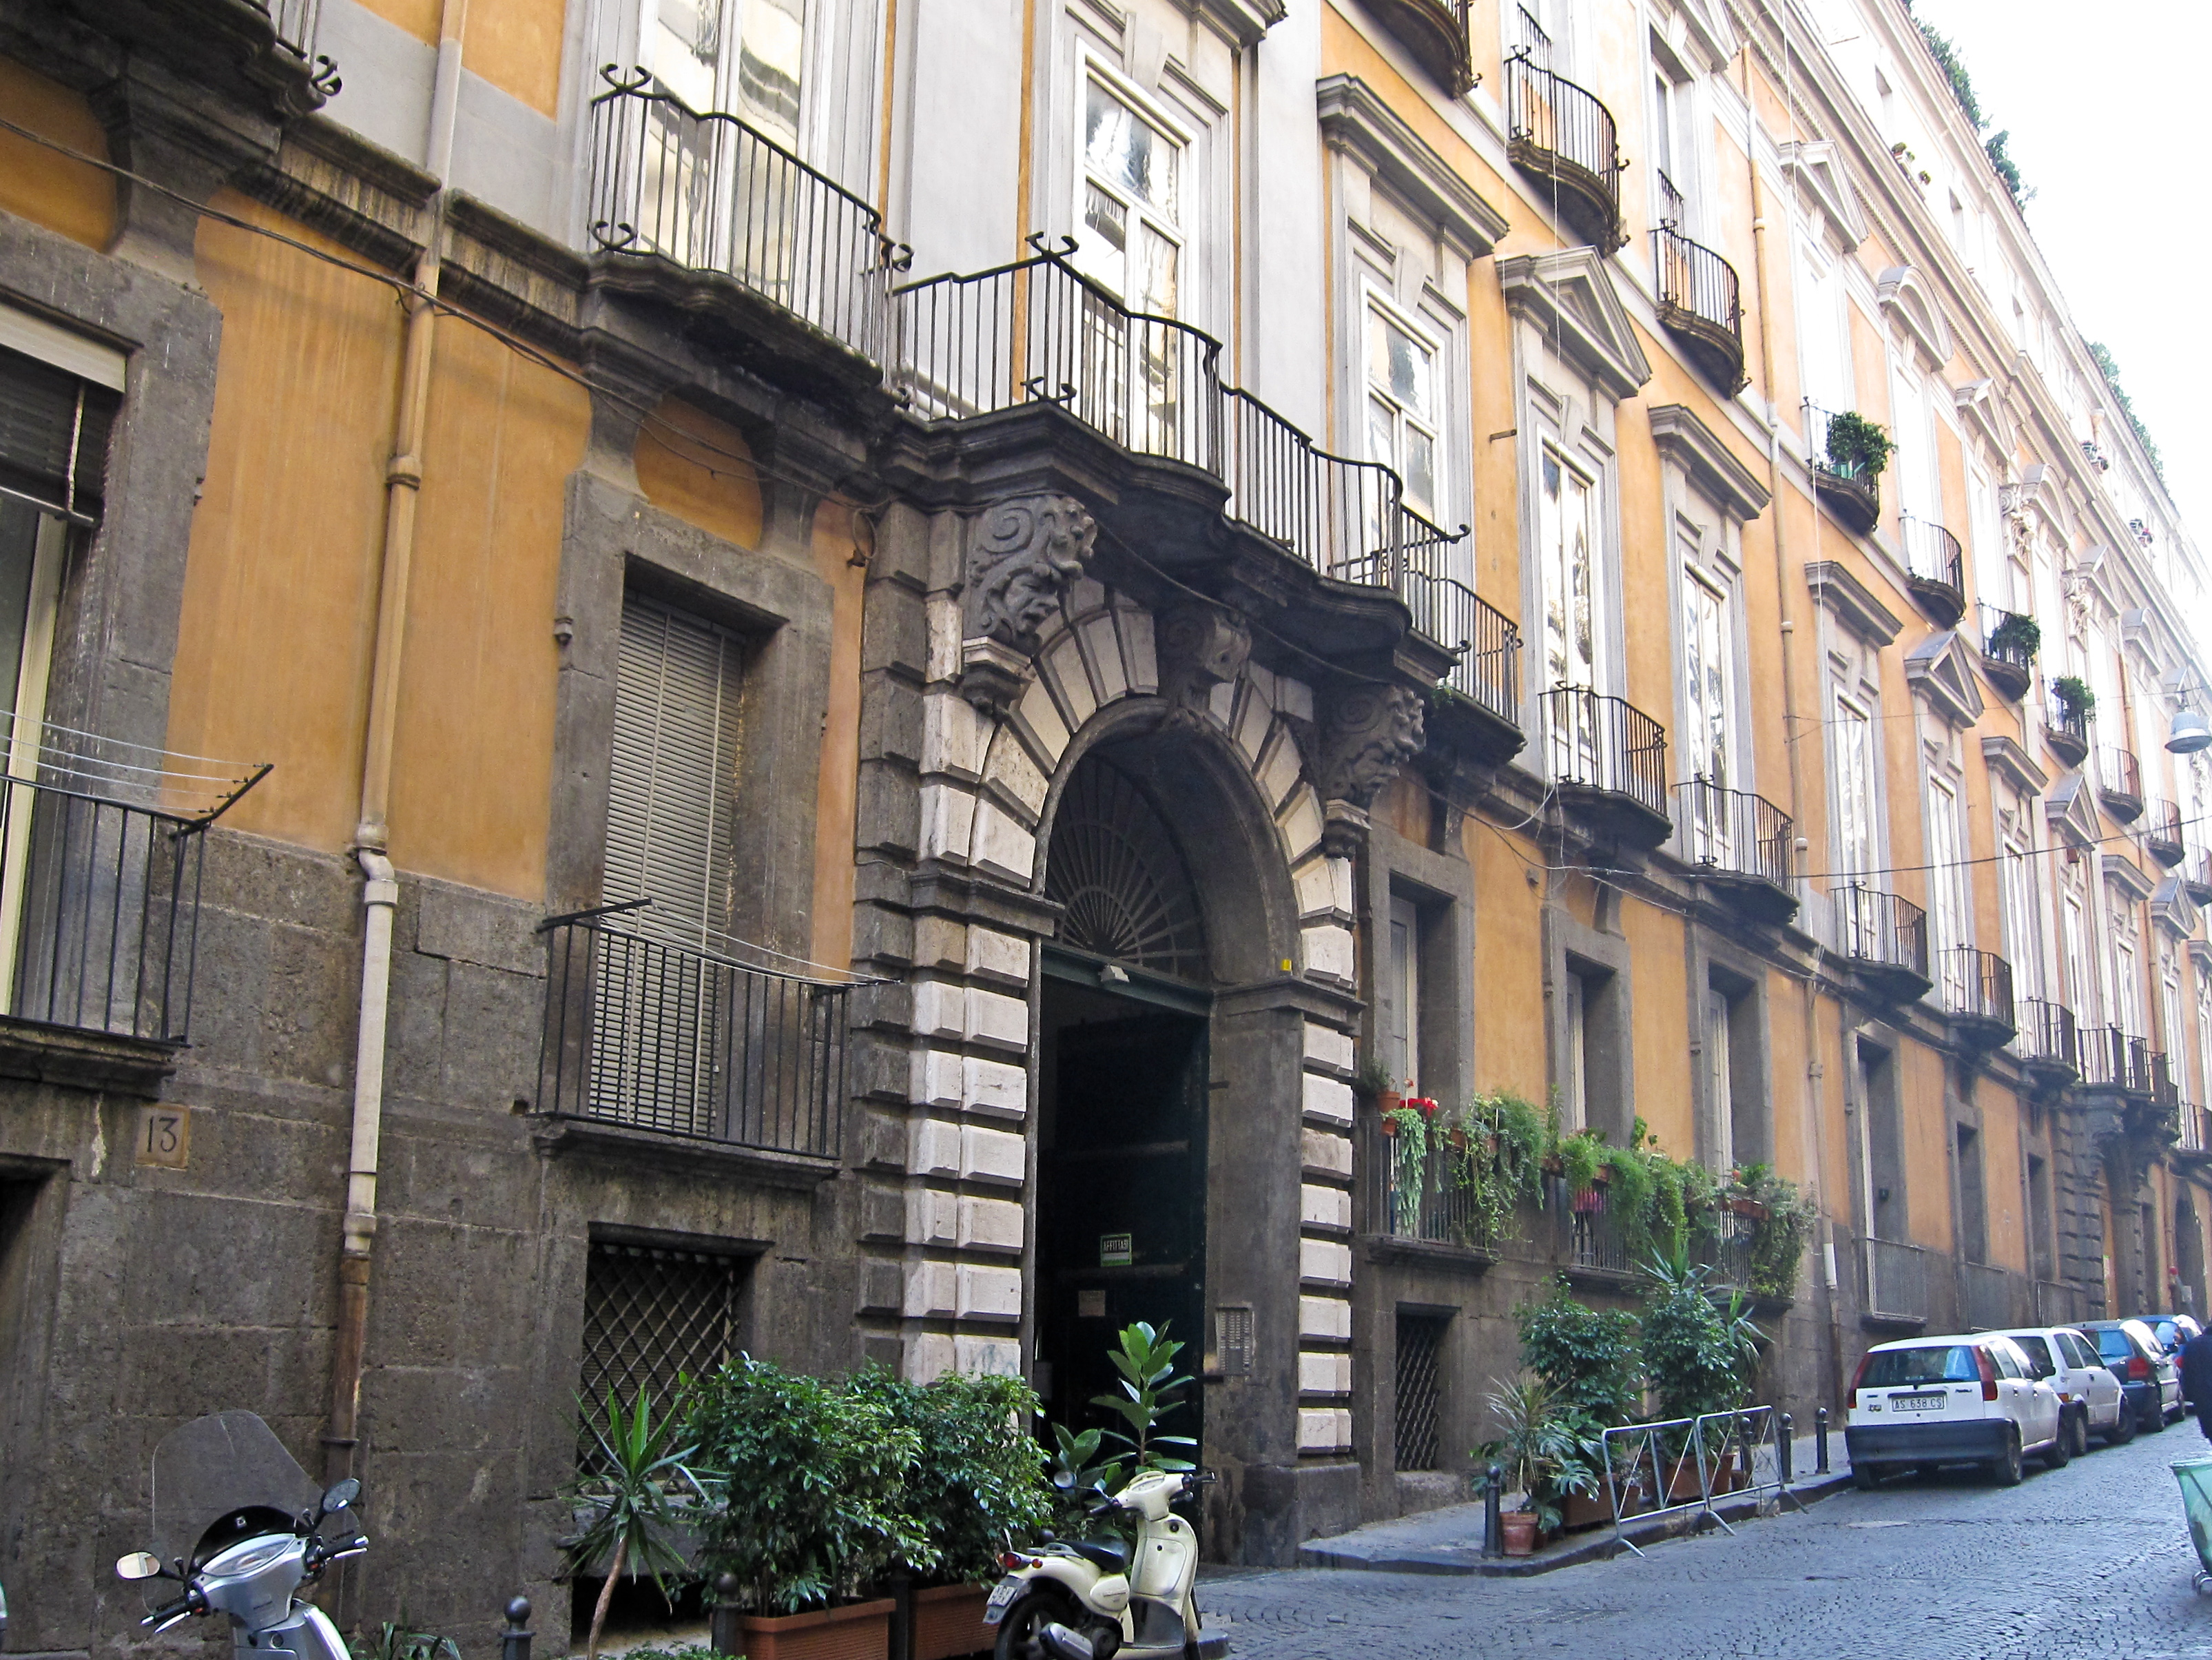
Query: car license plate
column 1002, row 1598
column 1917, row 1402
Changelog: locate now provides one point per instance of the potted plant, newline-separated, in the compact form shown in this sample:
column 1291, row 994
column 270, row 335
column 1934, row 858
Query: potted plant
column 2015, row 635
column 1857, row 445
column 1410, row 1124
column 1543, row 1455
column 1373, row 1082
column 1699, row 1359
column 2075, row 696
column 626, row 1498
column 817, row 1474
column 978, row 1481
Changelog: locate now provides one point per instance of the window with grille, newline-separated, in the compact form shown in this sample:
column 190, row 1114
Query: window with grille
column 654, row 1315
column 1419, row 1390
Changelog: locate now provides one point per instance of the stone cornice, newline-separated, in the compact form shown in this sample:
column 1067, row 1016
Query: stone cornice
column 1355, row 120
column 1569, row 296
column 2013, row 763
column 1712, row 466
column 2123, row 873
column 1852, row 602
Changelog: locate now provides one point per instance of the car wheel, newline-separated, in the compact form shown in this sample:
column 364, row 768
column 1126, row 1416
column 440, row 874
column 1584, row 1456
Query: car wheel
column 2123, row 1427
column 2079, row 1425
column 2008, row 1468
column 1862, row 1477
column 2154, row 1420
column 2060, row 1452
column 1020, row 1631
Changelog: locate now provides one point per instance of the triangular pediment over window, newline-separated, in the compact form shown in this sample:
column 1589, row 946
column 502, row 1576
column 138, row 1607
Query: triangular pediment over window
column 2070, row 812
column 1711, row 29
column 1825, row 189
column 1571, row 298
column 1941, row 670
column 2173, row 909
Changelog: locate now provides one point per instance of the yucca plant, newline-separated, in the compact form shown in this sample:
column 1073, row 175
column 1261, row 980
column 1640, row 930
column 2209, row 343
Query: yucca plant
column 630, row 1492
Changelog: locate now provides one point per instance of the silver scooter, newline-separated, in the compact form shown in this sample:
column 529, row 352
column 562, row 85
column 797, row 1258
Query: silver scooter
column 1085, row 1599
column 243, row 1529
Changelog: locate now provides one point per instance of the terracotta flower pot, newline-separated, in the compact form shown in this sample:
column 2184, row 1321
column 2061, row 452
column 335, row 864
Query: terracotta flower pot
column 948, row 1621
column 858, row 1631
column 1519, row 1527
column 1386, row 1103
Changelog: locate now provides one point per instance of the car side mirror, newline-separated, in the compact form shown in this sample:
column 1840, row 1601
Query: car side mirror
column 138, row 1564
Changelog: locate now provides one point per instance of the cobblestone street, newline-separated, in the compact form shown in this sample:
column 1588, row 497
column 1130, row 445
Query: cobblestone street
column 2092, row 1559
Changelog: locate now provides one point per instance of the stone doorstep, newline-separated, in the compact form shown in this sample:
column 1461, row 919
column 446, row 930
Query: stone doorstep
column 1449, row 1541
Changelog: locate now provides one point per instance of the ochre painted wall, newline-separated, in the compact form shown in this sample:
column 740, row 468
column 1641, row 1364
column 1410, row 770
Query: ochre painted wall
column 41, row 185
column 1508, row 977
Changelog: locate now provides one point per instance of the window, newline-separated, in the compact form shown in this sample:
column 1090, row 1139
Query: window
column 1973, row 1214
column 1593, row 1073
column 1708, row 660
column 1719, row 1080
column 1567, row 567
column 1402, row 996
column 1919, row 491
column 1574, row 1087
column 1674, row 153
column 2074, row 934
column 1853, row 750
column 1419, row 1391
column 2038, row 1222
column 2204, row 1038
column 1947, row 888
column 2127, row 990
column 2023, row 909
column 1403, row 412
column 1825, row 343
column 1129, row 236
column 741, row 57
column 653, row 1314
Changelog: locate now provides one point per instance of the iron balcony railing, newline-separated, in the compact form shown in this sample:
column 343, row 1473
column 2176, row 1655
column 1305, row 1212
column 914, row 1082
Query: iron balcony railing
column 1936, row 565
column 1885, row 929
column 1985, row 1293
column 1734, row 831
column 1978, row 986
column 1437, row 31
column 1420, row 1200
column 1037, row 331
column 2163, row 1088
column 652, row 1035
column 1696, row 287
column 1847, row 485
column 2119, row 781
column 2046, row 1034
column 2059, row 1304
column 2066, row 727
column 99, row 912
column 1727, row 1252
column 1489, row 645
column 294, row 23
column 2192, row 1127
column 1572, row 133
column 1588, row 1231
column 2005, row 639
column 1607, row 744
column 711, row 193
column 1896, row 1280
column 2112, row 1059
column 2197, row 872
column 2162, row 832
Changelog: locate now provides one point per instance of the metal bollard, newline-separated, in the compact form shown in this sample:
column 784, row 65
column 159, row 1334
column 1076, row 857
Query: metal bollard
column 1493, row 1536
column 1786, row 1447
column 514, row 1641
column 724, row 1635
column 1821, row 1450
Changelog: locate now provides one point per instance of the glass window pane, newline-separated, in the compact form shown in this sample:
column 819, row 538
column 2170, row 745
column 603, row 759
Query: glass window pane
column 1158, row 295
column 1120, row 146
column 1421, row 469
column 771, row 45
column 1381, row 433
column 1409, row 372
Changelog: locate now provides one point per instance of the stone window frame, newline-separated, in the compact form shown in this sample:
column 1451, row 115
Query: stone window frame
column 1720, row 964
column 1854, row 630
column 614, row 540
column 1599, row 953
column 2014, row 782
column 1441, row 887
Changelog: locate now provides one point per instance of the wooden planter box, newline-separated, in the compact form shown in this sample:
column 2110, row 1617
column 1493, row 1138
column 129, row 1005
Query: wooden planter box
column 858, row 1631
column 948, row 1621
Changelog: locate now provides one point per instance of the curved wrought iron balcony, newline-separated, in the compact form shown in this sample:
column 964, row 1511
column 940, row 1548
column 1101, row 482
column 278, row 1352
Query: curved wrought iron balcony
column 1436, row 32
column 2066, row 730
column 2197, row 874
column 1608, row 761
column 1935, row 569
column 2112, row 1060
column 1849, row 490
column 1478, row 704
column 1978, row 996
column 1885, row 938
column 2119, row 782
column 2008, row 657
column 1701, row 304
column 1563, row 137
column 2046, row 1041
column 2161, row 832
column 1740, row 843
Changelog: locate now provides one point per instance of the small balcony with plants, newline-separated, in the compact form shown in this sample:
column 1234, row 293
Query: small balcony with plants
column 1607, row 760
column 1976, row 989
column 2066, row 719
column 2119, row 782
column 1935, row 569
column 2162, row 836
column 1563, row 137
column 1436, row 33
column 1884, row 938
column 1700, row 299
column 1848, row 454
column 2009, row 643
column 2046, row 1044
column 1740, row 844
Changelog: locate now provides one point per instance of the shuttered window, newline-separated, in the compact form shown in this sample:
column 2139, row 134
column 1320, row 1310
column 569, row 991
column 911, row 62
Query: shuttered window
column 54, row 428
column 671, row 799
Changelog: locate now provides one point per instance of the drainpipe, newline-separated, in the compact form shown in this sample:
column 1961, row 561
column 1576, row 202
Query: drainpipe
column 402, row 483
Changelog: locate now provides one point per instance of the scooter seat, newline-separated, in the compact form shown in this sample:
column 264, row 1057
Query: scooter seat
column 1110, row 1555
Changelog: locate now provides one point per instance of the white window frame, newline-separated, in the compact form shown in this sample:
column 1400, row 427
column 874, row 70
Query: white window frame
column 1091, row 69
column 1401, row 998
column 1378, row 308
column 1949, row 904
column 1854, row 771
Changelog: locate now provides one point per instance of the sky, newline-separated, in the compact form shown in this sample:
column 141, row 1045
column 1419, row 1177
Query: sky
column 2107, row 106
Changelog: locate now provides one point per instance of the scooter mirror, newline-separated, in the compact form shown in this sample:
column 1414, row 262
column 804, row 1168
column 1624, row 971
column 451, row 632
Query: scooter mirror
column 138, row 1564
column 341, row 1496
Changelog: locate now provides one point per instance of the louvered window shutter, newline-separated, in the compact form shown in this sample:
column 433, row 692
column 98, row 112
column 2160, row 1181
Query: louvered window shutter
column 54, row 428
column 670, row 797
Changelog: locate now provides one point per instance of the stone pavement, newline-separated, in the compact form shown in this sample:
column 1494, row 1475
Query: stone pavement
column 2090, row 1560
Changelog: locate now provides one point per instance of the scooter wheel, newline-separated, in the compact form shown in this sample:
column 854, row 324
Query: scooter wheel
column 1019, row 1631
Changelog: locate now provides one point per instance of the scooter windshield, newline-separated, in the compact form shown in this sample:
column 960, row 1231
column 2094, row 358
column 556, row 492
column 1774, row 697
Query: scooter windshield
column 211, row 1470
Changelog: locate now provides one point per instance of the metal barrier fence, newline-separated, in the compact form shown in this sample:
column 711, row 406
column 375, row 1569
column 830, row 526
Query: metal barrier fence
column 1985, row 1292
column 643, row 1033
column 1686, row 1463
column 711, row 193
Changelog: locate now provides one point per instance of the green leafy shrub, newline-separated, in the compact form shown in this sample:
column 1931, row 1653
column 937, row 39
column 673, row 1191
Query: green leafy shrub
column 1545, row 1450
column 1699, row 1360
column 1777, row 1241
column 2074, row 693
column 2015, row 633
column 1492, row 1150
column 1857, row 445
column 1588, row 1359
column 980, row 1476
column 636, row 1472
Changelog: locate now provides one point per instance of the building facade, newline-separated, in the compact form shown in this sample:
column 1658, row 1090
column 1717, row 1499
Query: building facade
column 866, row 652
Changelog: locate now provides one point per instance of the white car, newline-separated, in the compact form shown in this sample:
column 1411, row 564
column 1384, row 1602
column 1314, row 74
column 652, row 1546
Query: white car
column 1927, row 1402
column 2090, row 1399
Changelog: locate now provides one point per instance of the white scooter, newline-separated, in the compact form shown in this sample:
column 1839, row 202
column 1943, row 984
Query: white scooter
column 243, row 1529
column 1084, row 1599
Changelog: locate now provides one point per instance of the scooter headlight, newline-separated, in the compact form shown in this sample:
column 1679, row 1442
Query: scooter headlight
column 249, row 1557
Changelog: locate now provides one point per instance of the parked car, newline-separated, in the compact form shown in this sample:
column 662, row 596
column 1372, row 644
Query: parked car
column 2172, row 1330
column 1927, row 1402
column 2147, row 1373
column 2090, row 1399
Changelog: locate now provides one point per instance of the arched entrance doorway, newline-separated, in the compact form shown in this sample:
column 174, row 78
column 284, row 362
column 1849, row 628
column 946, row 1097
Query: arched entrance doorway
column 1121, row 1092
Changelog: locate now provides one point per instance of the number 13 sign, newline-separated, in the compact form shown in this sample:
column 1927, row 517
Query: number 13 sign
column 165, row 1136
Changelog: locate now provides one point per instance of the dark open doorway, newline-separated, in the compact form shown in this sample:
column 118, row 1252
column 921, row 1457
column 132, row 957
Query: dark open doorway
column 1121, row 1178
